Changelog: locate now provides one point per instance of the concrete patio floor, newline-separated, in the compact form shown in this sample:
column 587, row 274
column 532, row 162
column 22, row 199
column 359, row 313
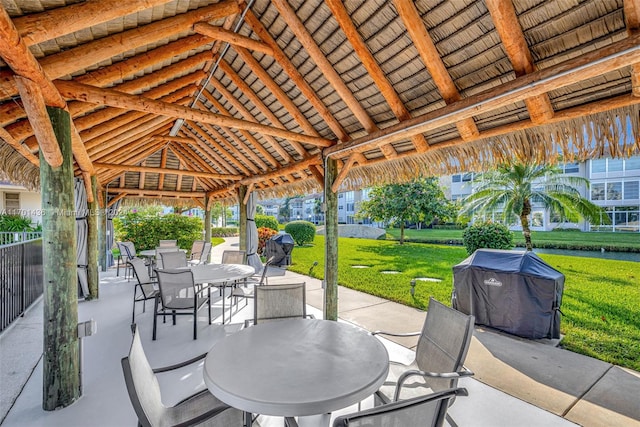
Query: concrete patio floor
column 517, row 383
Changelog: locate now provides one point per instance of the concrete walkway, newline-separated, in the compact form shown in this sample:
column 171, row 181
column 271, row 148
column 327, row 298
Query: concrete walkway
column 518, row 382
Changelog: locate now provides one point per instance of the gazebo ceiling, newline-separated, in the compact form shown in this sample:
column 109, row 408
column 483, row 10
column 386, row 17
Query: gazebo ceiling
column 183, row 98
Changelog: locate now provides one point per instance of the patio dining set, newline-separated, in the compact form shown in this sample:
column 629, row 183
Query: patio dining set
column 282, row 362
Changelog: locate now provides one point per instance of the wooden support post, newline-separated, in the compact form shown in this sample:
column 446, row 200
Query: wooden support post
column 102, row 230
column 207, row 218
column 61, row 374
column 92, row 241
column 330, row 241
column 242, row 213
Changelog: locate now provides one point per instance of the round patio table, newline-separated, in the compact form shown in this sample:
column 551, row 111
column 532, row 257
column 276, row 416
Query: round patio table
column 296, row 367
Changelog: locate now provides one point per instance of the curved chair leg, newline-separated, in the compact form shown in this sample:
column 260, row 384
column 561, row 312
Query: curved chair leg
column 155, row 317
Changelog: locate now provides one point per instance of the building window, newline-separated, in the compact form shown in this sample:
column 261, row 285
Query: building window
column 456, row 178
column 597, row 191
column 467, row 177
column 614, row 165
column 599, row 166
column 632, row 164
column 571, row 168
column 631, row 190
column 614, row 191
column 12, row 203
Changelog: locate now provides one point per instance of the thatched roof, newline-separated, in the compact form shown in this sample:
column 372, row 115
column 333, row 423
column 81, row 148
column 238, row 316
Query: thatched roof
column 391, row 88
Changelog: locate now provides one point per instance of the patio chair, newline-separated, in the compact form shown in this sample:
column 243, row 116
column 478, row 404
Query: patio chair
column 248, row 292
column 158, row 257
column 179, row 296
column 145, row 289
column 440, row 354
column 174, row 259
column 127, row 253
column 234, row 257
column 206, row 252
column 278, row 302
column 168, row 243
column 196, row 251
column 145, row 395
column 427, row 410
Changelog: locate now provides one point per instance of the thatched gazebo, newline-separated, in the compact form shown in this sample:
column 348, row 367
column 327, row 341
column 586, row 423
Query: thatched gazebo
column 197, row 101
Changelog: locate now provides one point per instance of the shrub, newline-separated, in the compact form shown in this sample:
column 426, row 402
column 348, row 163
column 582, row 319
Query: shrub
column 301, row 231
column 15, row 223
column 146, row 231
column 264, row 234
column 489, row 235
column 266, row 221
column 224, row 231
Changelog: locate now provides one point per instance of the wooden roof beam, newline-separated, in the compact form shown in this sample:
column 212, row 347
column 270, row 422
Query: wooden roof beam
column 142, row 193
column 141, row 177
column 21, row 149
column 320, row 59
column 163, row 164
column 246, row 114
column 375, row 71
column 165, row 171
column 355, row 158
column 232, row 38
column 88, row 54
column 632, row 22
column 432, row 61
column 296, row 77
column 115, row 199
column 304, row 164
column 117, row 99
column 125, row 141
column 223, row 158
column 612, row 57
column 506, row 22
column 189, row 157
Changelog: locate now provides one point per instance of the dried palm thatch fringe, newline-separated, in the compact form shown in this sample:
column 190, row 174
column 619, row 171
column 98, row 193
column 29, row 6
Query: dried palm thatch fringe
column 17, row 169
column 306, row 186
column 614, row 133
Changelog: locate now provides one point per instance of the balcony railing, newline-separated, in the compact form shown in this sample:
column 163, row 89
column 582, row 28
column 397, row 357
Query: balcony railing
column 20, row 279
column 9, row 237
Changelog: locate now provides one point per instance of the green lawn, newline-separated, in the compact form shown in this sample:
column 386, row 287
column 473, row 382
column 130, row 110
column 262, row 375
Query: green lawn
column 560, row 239
column 215, row 241
column 600, row 305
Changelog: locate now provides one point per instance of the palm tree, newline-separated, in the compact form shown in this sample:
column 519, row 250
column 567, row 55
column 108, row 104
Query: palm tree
column 514, row 187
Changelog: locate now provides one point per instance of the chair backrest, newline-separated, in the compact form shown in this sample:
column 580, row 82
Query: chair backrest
column 443, row 343
column 142, row 385
column 160, row 251
column 168, row 243
column 265, row 270
column 176, row 288
column 206, row 251
column 173, row 259
column 234, row 257
column 196, row 249
column 427, row 410
column 127, row 250
column 281, row 301
column 141, row 272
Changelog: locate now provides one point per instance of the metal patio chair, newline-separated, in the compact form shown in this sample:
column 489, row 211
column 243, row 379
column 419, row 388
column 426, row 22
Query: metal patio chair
column 278, row 302
column 145, row 395
column 179, row 296
column 247, row 292
column 168, row 243
column 196, row 251
column 145, row 289
column 158, row 257
column 234, row 257
column 440, row 354
column 174, row 259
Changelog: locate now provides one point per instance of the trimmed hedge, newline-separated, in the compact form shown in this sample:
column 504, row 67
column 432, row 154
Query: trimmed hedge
column 490, row 235
column 302, row 231
column 146, row 232
column 266, row 221
column 224, row 231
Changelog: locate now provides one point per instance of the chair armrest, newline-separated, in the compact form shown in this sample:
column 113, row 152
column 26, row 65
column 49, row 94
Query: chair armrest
column 445, row 375
column 392, row 334
column 310, row 316
column 247, row 323
column 179, row 365
column 290, row 422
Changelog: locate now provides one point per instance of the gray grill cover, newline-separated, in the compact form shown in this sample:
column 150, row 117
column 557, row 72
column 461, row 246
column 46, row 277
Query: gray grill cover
column 513, row 291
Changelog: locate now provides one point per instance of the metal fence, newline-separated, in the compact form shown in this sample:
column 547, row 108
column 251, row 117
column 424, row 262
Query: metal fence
column 9, row 237
column 20, row 279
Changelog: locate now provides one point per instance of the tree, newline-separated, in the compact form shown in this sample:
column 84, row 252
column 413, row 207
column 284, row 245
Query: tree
column 514, row 187
column 415, row 201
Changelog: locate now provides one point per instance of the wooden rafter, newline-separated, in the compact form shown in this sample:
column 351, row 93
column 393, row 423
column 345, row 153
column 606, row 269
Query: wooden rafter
column 232, row 38
column 632, row 21
column 163, row 164
column 355, row 158
column 304, row 164
column 142, row 178
column 164, row 171
column 387, row 90
column 139, row 103
column 6, row 136
column 116, row 198
column 617, row 55
column 167, row 193
column 250, row 188
column 506, row 21
column 232, row 165
column 296, row 77
column 432, row 61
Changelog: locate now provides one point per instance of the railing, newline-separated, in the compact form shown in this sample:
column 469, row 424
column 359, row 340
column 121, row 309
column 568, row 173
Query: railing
column 9, row 237
column 20, row 279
